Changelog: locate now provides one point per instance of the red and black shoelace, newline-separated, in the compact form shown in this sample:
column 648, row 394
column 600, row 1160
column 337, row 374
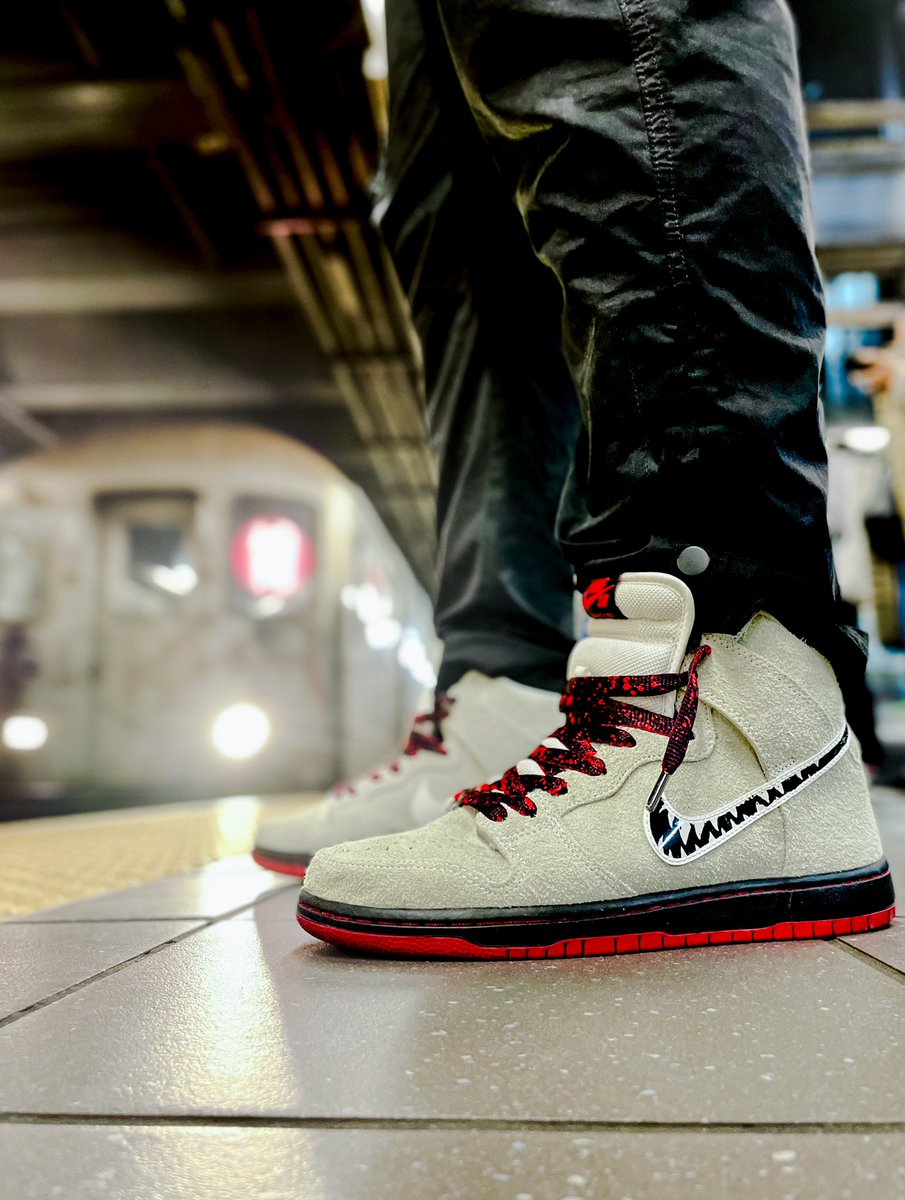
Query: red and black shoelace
column 432, row 741
column 594, row 718
column 418, row 741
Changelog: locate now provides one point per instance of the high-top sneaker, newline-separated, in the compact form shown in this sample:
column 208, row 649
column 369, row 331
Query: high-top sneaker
column 690, row 797
column 472, row 734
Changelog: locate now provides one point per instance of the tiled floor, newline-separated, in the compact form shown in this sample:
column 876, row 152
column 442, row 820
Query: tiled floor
column 183, row 1040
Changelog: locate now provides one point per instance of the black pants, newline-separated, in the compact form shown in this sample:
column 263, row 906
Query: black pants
column 656, row 157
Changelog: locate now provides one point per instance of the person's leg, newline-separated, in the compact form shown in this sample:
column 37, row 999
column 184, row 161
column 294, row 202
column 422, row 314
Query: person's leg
column 698, row 790
column 503, row 416
column 658, row 156
column 502, row 408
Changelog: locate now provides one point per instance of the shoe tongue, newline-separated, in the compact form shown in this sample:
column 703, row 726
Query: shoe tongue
column 648, row 637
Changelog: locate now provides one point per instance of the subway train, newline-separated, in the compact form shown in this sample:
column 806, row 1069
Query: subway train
column 197, row 609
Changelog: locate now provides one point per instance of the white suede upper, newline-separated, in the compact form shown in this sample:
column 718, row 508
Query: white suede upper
column 491, row 723
column 768, row 704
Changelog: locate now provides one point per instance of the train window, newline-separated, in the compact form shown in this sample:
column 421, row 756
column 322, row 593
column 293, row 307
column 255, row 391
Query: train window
column 158, row 559
column 272, row 556
column 21, row 577
column 151, row 562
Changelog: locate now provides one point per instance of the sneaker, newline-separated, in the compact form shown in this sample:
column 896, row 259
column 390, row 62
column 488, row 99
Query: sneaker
column 690, row 797
column 473, row 733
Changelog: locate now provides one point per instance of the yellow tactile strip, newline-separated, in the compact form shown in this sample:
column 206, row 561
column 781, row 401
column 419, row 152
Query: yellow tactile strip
column 54, row 860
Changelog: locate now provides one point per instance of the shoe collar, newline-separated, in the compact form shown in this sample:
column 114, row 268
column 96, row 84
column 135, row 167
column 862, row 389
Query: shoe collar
column 643, row 630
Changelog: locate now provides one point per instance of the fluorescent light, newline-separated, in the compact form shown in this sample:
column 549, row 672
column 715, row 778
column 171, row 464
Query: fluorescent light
column 382, row 633
column 413, row 657
column 370, row 605
column 867, row 439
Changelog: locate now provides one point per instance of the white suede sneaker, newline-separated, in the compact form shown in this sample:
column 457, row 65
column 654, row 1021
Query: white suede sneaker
column 471, row 736
column 736, row 810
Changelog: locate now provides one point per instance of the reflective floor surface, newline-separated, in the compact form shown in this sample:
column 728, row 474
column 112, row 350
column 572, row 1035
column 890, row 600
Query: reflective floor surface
column 184, row 1039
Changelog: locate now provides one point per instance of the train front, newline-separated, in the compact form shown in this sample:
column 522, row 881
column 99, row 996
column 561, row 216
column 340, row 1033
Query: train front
column 196, row 612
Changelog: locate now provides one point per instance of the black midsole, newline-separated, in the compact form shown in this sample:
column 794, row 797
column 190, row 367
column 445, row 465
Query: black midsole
column 751, row 904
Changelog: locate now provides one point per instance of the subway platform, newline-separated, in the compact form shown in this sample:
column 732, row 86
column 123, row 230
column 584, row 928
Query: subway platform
column 167, row 1032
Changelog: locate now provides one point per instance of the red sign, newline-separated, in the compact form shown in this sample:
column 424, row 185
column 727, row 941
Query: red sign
column 272, row 556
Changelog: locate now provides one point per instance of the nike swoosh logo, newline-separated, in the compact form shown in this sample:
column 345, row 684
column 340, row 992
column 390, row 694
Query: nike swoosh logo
column 678, row 839
column 427, row 805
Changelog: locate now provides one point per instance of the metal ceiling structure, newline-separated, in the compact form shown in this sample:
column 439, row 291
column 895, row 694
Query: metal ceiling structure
column 184, row 231
column 858, row 163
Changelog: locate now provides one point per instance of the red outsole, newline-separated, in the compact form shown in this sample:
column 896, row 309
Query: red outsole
column 284, row 868
column 419, row 946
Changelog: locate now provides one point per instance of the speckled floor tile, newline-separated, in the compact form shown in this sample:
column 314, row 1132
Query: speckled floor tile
column 253, row 1018
column 37, row 961
column 129, row 1163
column 278, row 907
column 205, row 893
column 240, row 864
column 886, row 945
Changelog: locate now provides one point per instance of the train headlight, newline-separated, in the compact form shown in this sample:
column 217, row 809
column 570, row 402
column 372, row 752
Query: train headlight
column 24, row 733
column 241, row 731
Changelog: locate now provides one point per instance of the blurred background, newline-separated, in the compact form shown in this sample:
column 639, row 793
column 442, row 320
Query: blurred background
column 216, row 501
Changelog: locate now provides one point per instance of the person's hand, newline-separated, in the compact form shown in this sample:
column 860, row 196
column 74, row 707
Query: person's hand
column 879, row 365
column 876, row 369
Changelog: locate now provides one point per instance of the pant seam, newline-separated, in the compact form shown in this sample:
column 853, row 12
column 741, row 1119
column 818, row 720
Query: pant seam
column 654, row 105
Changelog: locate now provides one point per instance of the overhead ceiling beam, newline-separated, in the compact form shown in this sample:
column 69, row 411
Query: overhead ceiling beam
column 26, row 430
column 854, row 114
column 883, row 315
column 163, row 395
column 884, row 258
column 144, row 292
column 52, row 118
column 855, row 156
